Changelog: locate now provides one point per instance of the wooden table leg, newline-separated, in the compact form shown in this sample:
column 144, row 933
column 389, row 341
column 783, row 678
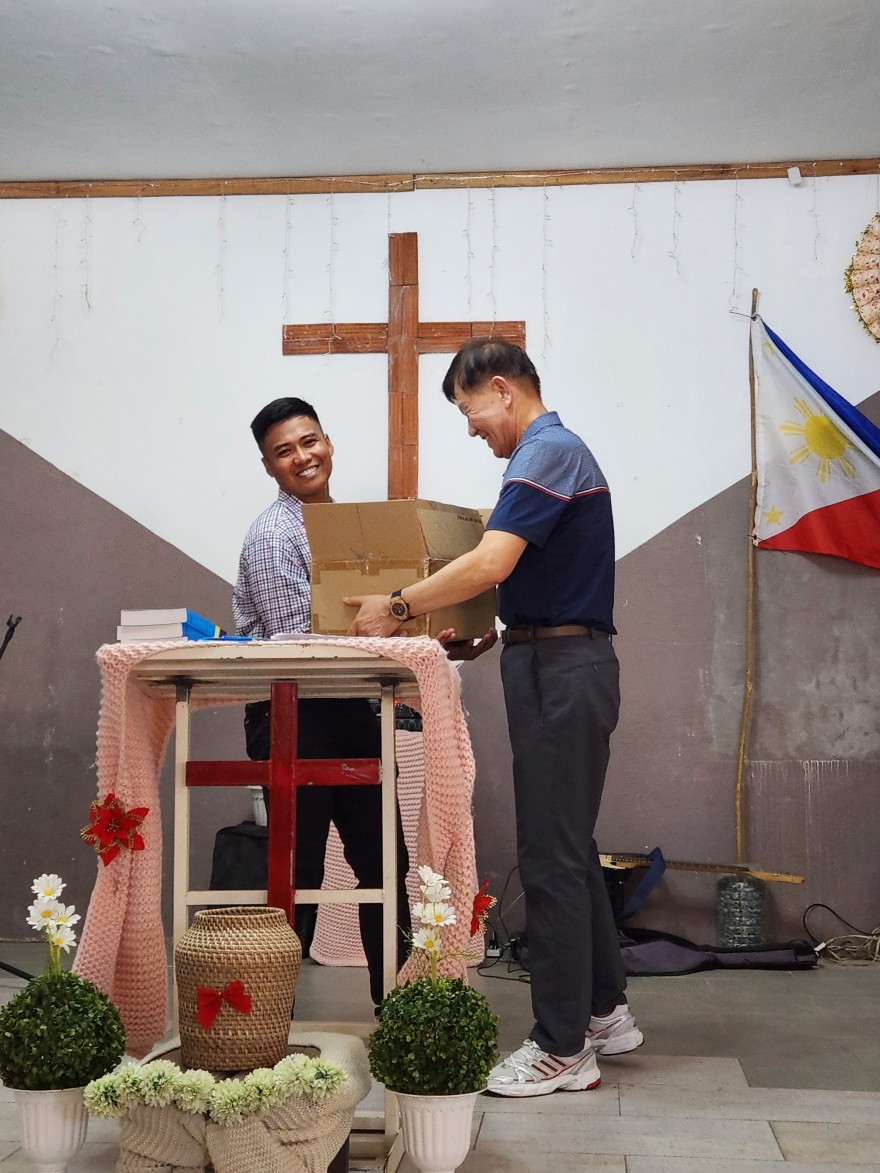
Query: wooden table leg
column 389, row 841
column 389, row 876
column 282, row 795
column 181, row 830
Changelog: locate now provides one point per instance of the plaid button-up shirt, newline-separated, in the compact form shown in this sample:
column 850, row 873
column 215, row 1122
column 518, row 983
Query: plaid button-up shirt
column 273, row 590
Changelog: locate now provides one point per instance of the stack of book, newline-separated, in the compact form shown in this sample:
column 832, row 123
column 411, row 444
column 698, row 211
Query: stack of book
column 171, row 623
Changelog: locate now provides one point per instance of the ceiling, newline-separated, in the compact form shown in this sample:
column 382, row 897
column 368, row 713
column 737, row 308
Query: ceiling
column 153, row 89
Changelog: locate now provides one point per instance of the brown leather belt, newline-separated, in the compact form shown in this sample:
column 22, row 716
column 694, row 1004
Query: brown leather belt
column 518, row 635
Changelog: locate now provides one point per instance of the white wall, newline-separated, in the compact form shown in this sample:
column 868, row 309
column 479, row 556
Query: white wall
column 138, row 338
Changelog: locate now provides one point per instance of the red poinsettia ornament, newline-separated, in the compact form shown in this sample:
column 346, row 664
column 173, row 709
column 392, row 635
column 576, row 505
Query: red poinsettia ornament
column 111, row 827
column 482, row 904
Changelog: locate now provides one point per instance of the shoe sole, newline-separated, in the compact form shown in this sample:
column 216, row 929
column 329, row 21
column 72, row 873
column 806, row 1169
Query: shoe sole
column 576, row 1084
column 628, row 1041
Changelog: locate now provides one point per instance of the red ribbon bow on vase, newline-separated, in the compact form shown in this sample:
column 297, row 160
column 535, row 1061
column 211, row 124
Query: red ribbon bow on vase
column 210, row 1001
column 111, row 827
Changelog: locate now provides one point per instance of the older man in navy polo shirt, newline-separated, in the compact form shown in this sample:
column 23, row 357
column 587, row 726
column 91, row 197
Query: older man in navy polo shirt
column 549, row 546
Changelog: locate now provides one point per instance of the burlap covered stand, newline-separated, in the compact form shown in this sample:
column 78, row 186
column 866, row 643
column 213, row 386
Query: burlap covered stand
column 162, row 1140
column 251, row 945
column 299, row 1136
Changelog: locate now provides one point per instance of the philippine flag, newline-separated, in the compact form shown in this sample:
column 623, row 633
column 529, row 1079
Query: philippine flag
column 818, row 461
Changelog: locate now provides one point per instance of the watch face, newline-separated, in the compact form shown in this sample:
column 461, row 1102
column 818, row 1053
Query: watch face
column 399, row 609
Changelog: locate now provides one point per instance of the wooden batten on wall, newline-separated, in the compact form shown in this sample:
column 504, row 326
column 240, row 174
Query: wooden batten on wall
column 142, row 188
column 326, row 184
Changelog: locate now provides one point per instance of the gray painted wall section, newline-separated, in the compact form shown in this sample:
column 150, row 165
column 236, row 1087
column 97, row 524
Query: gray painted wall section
column 70, row 563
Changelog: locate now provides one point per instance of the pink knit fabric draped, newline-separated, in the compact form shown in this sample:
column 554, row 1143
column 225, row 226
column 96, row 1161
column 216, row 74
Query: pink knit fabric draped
column 122, row 949
column 337, row 939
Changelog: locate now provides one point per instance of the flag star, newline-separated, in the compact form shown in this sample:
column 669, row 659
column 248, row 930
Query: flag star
column 772, row 516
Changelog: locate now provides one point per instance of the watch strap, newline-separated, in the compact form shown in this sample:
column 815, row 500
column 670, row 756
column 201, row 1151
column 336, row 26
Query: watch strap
column 399, row 606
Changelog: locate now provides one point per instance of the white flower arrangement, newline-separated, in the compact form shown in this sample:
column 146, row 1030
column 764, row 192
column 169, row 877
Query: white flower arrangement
column 193, row 1091
column 47, row 915
column 434, row 911
column 161, row 1083
column 48, row 886
column 437, row 1036
column 439, row 914
column 433, row 887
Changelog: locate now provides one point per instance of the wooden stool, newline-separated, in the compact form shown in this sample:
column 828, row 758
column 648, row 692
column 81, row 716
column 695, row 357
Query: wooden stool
column 282, row 773
column 248, row 672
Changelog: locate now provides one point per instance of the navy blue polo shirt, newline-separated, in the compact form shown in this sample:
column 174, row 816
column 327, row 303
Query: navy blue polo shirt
column 555, row 497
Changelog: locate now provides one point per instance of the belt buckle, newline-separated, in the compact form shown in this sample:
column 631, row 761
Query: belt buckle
column 519, row 634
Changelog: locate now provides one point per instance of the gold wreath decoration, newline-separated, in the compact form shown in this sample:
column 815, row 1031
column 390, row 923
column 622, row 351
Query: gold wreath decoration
column 863, row 279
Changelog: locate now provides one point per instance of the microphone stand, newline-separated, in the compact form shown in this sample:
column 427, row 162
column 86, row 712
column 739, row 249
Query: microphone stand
column 11, row 625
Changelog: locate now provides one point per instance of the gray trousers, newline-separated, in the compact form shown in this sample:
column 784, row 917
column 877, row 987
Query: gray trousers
column 562, row 698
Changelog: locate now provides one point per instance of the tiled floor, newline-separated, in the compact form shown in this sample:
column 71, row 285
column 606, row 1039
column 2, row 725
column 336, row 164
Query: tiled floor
column 741, row 1072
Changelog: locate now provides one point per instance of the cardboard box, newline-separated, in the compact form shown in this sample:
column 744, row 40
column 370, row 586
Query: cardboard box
column 376, row 547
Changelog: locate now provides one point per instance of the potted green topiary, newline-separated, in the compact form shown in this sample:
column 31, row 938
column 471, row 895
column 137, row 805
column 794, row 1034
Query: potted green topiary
column 436, row 1042
column 56, row 1035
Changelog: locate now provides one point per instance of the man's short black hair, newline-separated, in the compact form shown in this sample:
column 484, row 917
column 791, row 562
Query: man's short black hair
column 277, row 411
column 482, row 359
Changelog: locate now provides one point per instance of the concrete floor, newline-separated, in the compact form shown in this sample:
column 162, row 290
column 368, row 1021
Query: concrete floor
column 740, row 1073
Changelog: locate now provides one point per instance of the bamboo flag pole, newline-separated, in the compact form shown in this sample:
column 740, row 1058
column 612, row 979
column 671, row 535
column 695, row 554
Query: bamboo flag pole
column 750, row 615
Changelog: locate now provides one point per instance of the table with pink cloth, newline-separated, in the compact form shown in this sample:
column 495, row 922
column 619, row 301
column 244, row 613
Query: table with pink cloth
column 122, row 948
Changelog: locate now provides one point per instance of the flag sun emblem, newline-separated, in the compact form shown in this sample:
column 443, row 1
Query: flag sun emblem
column 822, row 439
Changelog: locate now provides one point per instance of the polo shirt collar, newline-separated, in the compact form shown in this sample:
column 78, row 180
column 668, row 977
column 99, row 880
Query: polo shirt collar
column 547, row 419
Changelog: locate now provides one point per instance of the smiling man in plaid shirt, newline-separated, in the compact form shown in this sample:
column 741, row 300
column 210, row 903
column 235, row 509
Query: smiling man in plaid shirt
column 273, row 594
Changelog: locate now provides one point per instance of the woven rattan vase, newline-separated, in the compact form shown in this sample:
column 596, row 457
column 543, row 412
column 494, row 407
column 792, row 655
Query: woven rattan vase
column 254, row 946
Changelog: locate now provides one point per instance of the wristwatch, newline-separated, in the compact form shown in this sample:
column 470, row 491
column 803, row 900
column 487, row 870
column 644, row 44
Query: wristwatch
column 399, row 607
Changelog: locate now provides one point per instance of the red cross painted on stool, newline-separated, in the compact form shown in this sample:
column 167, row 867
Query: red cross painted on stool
column 282, row 773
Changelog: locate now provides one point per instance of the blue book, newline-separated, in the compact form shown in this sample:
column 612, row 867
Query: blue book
column 143, row 632
column 170, row 615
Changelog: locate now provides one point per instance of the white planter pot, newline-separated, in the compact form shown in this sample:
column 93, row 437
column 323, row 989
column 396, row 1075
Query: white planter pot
column 436, row 1130
column 53, row 1126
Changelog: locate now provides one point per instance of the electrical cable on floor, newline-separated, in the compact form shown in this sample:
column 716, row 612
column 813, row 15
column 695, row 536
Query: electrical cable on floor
column 507, row 936
column 855, row 948
column 514, row 970
column 506, row 955
column 503, row 976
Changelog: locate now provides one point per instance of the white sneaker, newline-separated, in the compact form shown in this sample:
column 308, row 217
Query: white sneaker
column 533, row 1072
column 615, row 1033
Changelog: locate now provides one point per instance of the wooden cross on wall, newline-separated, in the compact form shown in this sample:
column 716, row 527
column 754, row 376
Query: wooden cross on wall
column 403, row 338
